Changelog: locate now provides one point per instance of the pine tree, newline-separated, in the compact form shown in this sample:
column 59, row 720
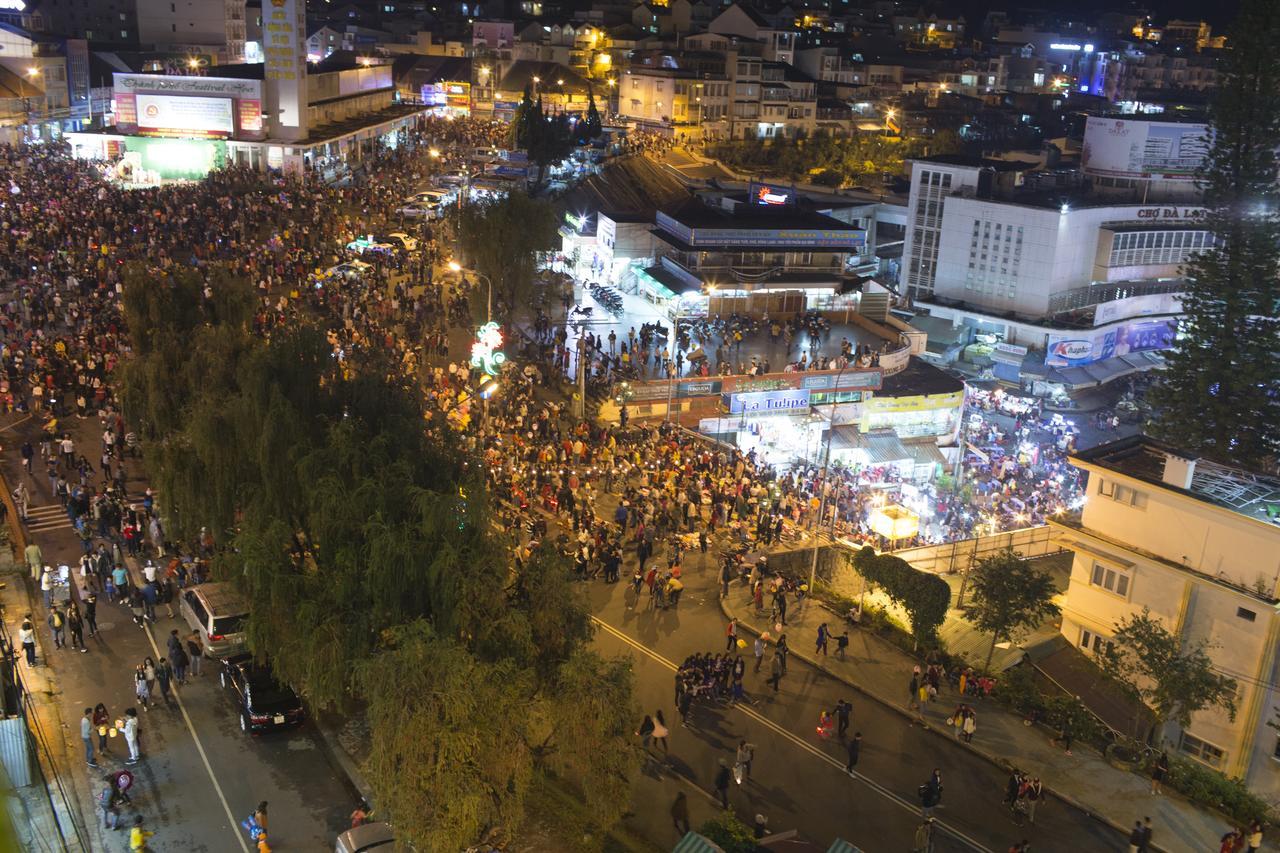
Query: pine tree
column 1221, row 393
column 594, row 127
column 523, row 124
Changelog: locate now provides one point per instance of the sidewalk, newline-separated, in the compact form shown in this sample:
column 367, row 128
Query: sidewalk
column 1083, row 779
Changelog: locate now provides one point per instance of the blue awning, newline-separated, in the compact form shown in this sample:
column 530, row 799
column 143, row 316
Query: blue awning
column 1007, row 372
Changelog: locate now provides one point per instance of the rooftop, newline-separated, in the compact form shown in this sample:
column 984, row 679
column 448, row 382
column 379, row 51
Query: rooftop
column 1252, row 494
column 696, row 213
column 920, row 377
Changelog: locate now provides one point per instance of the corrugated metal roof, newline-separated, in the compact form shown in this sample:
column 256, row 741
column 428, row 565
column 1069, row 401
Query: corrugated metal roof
column 842, row 846
column 695, row 843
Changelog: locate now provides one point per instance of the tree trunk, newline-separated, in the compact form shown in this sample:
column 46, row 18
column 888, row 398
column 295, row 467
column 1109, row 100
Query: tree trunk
column 991, row 652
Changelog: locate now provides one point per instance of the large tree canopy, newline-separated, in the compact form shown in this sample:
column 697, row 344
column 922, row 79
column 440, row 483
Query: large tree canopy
column 1221, row 392
column 374, row 574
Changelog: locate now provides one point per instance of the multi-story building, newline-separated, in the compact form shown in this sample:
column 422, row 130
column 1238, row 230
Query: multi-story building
column 216, row 26
column 1198, row 544
column 45, row 82
column 1089, row 276
column 111, row 22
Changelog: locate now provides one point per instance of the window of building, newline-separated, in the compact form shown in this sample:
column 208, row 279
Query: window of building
column 1202, row 750
column 1122, row 494
column 1092, row 641
column 1246, row 614
column 1111, row 579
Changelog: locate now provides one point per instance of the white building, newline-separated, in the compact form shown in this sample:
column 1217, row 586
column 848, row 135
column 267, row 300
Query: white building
column 1197, row 543
column 1066, row 271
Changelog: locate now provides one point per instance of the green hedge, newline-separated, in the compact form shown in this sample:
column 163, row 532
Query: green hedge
column 924, row 596
column 1208, row 787
column 729, row 834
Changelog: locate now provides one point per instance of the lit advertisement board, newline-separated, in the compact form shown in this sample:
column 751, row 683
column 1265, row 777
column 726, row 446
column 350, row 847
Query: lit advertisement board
column 175, row 115
column 770, row 195
column 1089, row 346
column 1139, row 149
column 768, row 401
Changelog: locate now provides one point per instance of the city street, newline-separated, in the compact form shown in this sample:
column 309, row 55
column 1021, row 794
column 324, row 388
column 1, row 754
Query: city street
column 200, row 775
column 799, row 778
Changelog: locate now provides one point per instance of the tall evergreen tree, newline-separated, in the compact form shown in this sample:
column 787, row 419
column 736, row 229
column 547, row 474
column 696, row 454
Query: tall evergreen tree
column 1221, row 393
column 523, row 121
column 594, row 126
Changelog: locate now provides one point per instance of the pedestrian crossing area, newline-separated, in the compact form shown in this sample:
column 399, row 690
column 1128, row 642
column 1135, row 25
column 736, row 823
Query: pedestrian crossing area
column 43, row 520
column 46, row 519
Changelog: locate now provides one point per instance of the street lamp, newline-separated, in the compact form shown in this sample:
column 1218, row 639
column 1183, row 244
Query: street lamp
column 454, row 266
column 888, row 117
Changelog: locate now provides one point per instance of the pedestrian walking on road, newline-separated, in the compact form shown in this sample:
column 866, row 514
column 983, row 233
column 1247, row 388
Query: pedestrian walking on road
column 924, row 837
column 35, row 559
column 138, row 836
column 179, row 658
column 680, row 814
column 759, row 652
column 931, row 793
column 842, row 711
column 722, row 783
column 91, row 613
column 86, row 735
column 1254, row 838
column 109, row 800
column 1137, row 837
column 1158, row 771
column 58, row 625
column 746, row 754
column 660, row 730
column 854, row 749
column 645, row 731
column 195, row 650
column 27, row 637
column 731, row 635
column 101, row 722
column 823, row 636
column 164, row 677
column 46, row 585
column 141, row 688
column 131, row 735
column 75, row 627
column 775, row 671
column 1034, row 792
column 913, row 693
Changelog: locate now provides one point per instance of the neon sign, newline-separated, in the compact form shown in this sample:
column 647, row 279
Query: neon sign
column 486, row 352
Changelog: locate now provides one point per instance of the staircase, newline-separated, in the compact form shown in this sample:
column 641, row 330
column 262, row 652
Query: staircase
column 874, row 306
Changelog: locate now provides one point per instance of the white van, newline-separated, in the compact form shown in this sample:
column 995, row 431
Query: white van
column 369, row 836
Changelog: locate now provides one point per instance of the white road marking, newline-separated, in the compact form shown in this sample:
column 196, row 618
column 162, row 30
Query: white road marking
column 800, row 742
column 226, row 807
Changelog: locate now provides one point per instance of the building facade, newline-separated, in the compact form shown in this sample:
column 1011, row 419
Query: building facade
column 1196, row 543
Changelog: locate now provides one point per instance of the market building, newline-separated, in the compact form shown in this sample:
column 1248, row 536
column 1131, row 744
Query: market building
column 1196, row 543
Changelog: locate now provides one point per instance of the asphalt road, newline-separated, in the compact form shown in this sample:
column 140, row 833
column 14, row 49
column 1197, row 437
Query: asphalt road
column 200, row 775
column 798, row 778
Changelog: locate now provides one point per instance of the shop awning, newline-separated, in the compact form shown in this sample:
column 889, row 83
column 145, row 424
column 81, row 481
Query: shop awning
column 925, row 452
column 881, row 447
column 695, row 843
column 666, row 283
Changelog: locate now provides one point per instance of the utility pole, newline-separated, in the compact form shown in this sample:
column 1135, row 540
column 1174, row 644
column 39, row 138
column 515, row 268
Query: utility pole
column 822, row 504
